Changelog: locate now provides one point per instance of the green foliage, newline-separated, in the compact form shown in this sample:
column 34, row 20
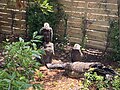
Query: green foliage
column 100, row 83
column 114, row 40
column 43, row 5
column 12, row 82
column 52, row 14
column 116, row 83
column 93, row 79
column 20, row 63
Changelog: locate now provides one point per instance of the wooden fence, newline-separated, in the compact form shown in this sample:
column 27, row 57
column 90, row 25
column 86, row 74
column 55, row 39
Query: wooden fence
column 12, row 19
column 96, row 12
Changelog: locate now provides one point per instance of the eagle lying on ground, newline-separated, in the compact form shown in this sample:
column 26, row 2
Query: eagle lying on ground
column 77, row 69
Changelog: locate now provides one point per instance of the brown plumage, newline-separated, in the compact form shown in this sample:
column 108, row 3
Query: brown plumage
column 76, row 53
column 49, row 52
column 47, row 33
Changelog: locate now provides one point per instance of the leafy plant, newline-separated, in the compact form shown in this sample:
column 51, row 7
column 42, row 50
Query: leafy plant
column 114, row 40
column 44, row 6
column 92, row 80
column 116, row 83
column 12, row 82
column 37, row 18
column 20, row 63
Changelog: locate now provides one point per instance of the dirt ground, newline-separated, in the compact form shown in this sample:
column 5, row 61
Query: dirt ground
column 56, row 80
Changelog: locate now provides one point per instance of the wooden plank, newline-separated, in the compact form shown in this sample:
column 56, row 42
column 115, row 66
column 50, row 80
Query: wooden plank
column 20, row 16
column 3, row 31
column 9, row 22
column 90, row 22
column 75, row 24
column 102, row 5
column 108, row 1
column 17, row 19
column 7, row 17
column 78, row 14
column 99, row 11
column 20, row 25
column 103, row 23
column 97, row 27
column 96, row 35
column 6, row 27
column 9, row 10
column 75, row 34
column 99, row 17
column 94, row 25
column 96, row 44
column 74, row 19
column 19, row 32
column 78, row 9
column 75, row 40
column 9, row 28
column 5, row 23
column 5, row 11
column 6, row 1
column 78, row 0
column 79, row 20
column 74, row 4
column 74, row 9
column 66, row 3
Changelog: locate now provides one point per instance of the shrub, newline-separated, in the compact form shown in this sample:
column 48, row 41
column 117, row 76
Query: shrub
column 20, row 64
column 92, row 80
column 52, row 14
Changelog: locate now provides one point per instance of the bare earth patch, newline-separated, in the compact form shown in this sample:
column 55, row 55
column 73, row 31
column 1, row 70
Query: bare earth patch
column 56, row 80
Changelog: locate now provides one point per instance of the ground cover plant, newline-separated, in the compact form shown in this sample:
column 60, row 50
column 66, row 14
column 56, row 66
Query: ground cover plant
column 97, row 82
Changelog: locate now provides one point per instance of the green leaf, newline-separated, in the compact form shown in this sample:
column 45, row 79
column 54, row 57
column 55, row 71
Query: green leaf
column 22, row 78
column 38, row 37
column 7, row 80
column 36, row 41
column 13, row 76
column 45, row 2
column 34, row 46
column 34, row 34
column 41, row 51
